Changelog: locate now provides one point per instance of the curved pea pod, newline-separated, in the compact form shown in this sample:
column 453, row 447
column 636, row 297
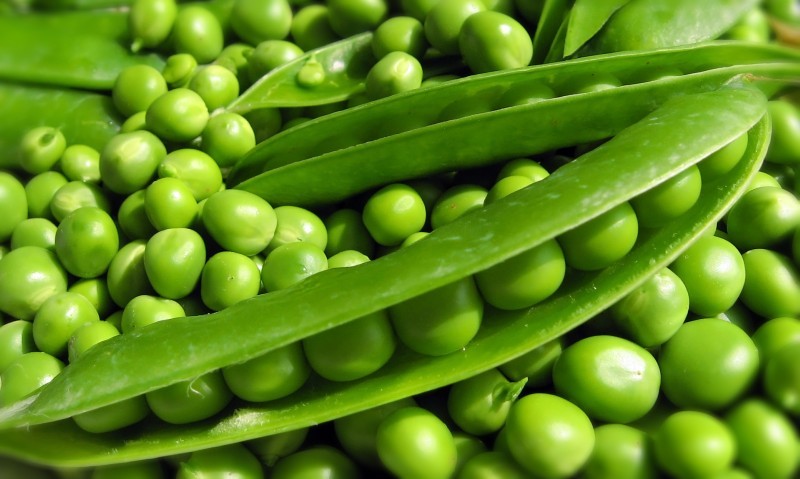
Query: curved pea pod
column 554, row 14
column 370, row 142
column 633, row 162
column 586, row 18
column 83, row 49
column 650, row 24
column 84, row 118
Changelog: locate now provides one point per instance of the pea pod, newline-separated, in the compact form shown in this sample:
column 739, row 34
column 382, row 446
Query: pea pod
column 421, row 108
column 78, row 4
column 83, row 117
column 625, row 166
column 136, row 363
column 85, row 49
column 586, row 18
column 554, row 12
column 650, row 24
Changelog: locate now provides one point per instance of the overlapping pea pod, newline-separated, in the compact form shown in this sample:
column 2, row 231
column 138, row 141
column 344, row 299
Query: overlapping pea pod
column 677, row 135
column 84, row 118
column 488, row 128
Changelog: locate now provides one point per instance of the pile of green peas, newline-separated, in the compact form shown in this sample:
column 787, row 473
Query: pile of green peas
column 694, row 374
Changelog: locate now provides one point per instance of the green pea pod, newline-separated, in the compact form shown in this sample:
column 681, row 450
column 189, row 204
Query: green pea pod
column 84, row 49
column 374, row 121
column 553, row 14
column 623, row 167
column 78, row 4
column 83, row 117
column 586, row 18
column 620, row 169
column 650, row 24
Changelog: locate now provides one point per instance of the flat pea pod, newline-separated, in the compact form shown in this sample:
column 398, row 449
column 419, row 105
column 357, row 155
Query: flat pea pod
column 626, row 166
column 586, row 18
column 34, row 49
column 649, row 24
column 552, row 17
column 83, row 117
column 417, row 109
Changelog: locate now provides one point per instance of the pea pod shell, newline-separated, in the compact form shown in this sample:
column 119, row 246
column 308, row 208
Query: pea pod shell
column 586, row 18
column 503, row 336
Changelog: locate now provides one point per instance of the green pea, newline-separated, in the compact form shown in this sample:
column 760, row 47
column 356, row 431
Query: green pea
column 145, row 310
column 190, row 401
column 75, row 195
column 445, row 20
column 479, row 405
column 270, row 376
column 311, row 28
column 257, row 20
column 694, row 444
column 297, row 224
column 29, row 276
column 698, row 373
column 668, row 200
column 491, row 41
column 548, row 435
column 536, row 365
column 782, row 379
column 349, row 17
column 752, row 27
column 412, row 442
column 455, row 202
column 132, row 217
column 170, row 203
column 771, row 285
column 40, row 149
column 58, row 318
column 130, row 160
column 346, row 232
column 400, row 34
column 318, row 461
column 610, row 378
column 590, row 83
column 784, row 146
column 81, row 163
column 352, row 350
column 418, row 9
column 14, row 204
column 235, row 56
column 271, row 448
column 713, row 271
column 467, row 447
column 198, row 32
column 179, row 69
column 621, row 452
column 16, row 339
column 440, row 321
column 195, row 169
column 490, row 465
column 766, row 440
column 525, row 168
column 34, row 232
column 26, row 374
column 505, row 186
column 239, row 221
column 227, row 137
column 523, row 280
column 39, row 193
column 724, row 159
column 774, row 334
column 173, row 260
column 271, row 54
column 650, row 314
column 126, row 277
column 764, row 217
column 132, row 470
column 136, row 88
column 96, row 291
column 290, row 263
column 601, row 241
column 233, row 461
column 86, row 242
column 135, row 122
column 88, row 335
column 150, row 22
column 357, row 432
column 179, row 115
column 228, row 278
column 347, row 258
column 396, row 72
column 216, row 85
column 393, row 213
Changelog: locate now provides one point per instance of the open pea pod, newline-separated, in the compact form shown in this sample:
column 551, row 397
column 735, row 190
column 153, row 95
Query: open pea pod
column 586, row 18
column 84, row 117
column 489, row 93
column 650, row 24
column 182, row 348
column 631, row 163
column 554, row 12
column 81, row 49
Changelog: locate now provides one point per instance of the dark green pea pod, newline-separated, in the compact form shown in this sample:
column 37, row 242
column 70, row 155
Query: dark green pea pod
column 631, row 163
column 554, row 12
column 83, row 49
column 634, row 161
column 369, row 128
column 84, row 118
column 78, row 4
column 651, row 24
column 586, row 18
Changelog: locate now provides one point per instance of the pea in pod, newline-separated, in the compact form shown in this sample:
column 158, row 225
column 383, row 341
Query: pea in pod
column 625, row 166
